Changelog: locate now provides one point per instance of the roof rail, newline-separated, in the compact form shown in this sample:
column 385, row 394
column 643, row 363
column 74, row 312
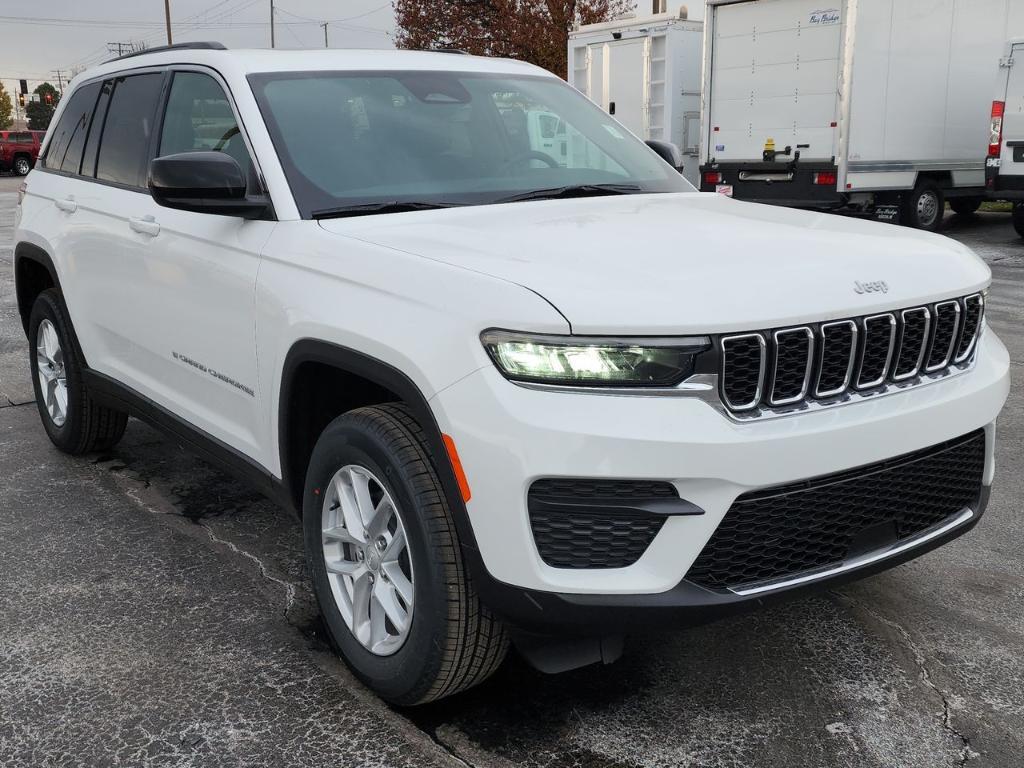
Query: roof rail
column 450, row 50
column 200, row 46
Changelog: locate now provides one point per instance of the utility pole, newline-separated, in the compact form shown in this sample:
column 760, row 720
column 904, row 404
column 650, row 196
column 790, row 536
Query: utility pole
column 167, row 16
column 324, row 25
column 60, row 80
column 271, row 23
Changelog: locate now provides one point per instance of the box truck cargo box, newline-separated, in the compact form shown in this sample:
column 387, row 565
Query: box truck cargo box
column 646, row 72
column 875, row 106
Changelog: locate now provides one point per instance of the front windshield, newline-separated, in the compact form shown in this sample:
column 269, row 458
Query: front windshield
column 350, row 139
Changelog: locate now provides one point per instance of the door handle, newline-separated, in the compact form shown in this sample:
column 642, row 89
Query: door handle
column 147, row 225
column 67, row 204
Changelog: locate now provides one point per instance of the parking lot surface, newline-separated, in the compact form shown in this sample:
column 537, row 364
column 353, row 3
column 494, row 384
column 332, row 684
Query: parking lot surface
column 156, row 612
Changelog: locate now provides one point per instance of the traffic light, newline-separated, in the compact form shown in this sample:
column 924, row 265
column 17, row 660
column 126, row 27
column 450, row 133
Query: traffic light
column 21, row 100
column 24, row 85
column 49, row 98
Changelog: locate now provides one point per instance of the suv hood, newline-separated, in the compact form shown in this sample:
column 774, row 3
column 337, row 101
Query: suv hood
column 684, row 263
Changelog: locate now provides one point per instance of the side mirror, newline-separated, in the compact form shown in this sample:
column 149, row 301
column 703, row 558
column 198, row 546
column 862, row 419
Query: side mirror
column 204, row 182
column 668, row 152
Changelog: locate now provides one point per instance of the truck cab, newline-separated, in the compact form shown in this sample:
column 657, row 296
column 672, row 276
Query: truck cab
column 1004, row 165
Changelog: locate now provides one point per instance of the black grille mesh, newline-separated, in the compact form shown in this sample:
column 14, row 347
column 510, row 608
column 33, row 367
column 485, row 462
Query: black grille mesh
column 946, row 317
column 742, row 359
column 973, row 306
column 836, row 346
column 784, row 531
column 589, row 536
column 792, row 349
column 912, row 340
column 877, row 335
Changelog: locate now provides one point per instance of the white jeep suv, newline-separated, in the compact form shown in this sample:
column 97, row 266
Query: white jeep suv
column 519, row 391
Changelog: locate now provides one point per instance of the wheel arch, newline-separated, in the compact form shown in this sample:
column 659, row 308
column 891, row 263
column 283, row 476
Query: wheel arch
column 370, row 381
column 34, row 273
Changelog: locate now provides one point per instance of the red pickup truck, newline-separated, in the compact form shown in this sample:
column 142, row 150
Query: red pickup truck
column 19, row 150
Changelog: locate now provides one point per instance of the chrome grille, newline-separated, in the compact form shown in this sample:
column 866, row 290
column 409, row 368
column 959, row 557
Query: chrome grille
column 786, row 368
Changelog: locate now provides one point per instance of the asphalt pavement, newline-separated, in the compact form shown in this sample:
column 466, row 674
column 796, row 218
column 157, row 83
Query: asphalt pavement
column 155, row 612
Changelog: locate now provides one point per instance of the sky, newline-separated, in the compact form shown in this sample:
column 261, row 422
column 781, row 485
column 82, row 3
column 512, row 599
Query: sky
column 39, row 36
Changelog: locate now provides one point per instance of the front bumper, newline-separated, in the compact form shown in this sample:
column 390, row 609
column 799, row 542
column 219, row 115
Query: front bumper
column 509, row 436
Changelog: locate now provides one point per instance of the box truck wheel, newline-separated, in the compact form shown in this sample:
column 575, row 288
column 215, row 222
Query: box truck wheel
column 923, row 207
column 965, row 206
column 1018, row 218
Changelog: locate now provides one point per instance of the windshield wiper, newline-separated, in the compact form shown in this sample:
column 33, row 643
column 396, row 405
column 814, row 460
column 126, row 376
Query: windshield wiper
column 368, row 209
column 573, row 190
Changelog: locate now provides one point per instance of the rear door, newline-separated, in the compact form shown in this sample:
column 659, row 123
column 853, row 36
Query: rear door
column 775, row 67
column 626, row 84
column 1012, row 158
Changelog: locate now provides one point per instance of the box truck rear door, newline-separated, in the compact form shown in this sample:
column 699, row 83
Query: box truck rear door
column 775, row 68
column 1012, row 163
column 626, row 84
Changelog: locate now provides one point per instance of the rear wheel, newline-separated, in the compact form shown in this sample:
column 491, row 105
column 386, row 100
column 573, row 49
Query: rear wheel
column 386, row 562
column 1018, row 218
column 22, row 165
column 923, row 207
column 73, row 420
column 965, row 206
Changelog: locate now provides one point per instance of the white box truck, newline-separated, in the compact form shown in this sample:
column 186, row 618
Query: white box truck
column 646, row 72
column 875, row 106
column 1004, row 168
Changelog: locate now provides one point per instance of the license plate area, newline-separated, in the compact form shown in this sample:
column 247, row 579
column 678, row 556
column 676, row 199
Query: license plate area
column 768, row 177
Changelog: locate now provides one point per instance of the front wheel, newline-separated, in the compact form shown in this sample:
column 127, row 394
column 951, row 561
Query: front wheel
column 1018, row 218
column 22, row 165
column 386, row 562
column 923, row 207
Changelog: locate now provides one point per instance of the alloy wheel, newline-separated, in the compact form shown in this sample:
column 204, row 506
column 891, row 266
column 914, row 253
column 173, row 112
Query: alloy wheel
column 53, row 384
column 369, row 565
column 22, row 167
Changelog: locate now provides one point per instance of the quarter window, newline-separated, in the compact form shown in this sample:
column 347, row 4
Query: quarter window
column 199, row 118
column 65, row 152
column 124, row 147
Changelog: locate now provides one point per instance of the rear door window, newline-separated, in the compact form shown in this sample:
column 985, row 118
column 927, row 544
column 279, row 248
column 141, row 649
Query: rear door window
column 128, row 128
column 65, row 152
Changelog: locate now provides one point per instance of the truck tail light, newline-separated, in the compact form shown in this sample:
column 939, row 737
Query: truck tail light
column 712, row 177
column 995, row 137
column 825, row 178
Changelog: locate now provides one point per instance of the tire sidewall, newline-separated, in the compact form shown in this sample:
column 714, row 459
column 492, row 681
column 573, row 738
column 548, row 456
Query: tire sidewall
column 914, row 197
column 47, row 307
column 403, row 676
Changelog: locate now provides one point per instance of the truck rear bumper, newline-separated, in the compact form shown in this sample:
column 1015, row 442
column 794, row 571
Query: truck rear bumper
column 776, row 183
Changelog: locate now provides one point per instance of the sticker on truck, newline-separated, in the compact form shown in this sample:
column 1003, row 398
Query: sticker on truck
column 724, row 189
column 822, row 18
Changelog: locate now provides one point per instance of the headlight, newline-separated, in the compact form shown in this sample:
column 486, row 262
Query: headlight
column 592, row 361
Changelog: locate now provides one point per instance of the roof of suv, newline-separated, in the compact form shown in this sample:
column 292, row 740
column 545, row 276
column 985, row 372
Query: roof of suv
column 242, row 61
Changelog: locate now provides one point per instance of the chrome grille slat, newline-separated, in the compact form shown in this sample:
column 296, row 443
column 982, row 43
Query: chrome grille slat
column 797, row 344
column 973, row 315
column 913, row 342
column 944, row 335
column 838, row 340
column 876, row 350
column 827, row 364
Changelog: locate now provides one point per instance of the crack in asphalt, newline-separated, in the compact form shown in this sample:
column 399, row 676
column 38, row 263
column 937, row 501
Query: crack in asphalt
column 12, row 404
column 289, row 588
column 264, row 571
column 967, row 751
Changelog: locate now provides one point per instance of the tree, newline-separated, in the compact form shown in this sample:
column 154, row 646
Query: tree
column 536, row 31
column 41, row 112
column 5, row 108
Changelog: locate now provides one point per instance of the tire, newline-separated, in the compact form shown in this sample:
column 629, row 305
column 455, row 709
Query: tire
column 1018, row 218
column 22, row 165
column 452, row 641
column 965, row 206
column 82, row 425
column 923, row 207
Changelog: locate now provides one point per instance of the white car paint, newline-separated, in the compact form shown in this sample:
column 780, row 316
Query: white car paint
column 415, row 290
